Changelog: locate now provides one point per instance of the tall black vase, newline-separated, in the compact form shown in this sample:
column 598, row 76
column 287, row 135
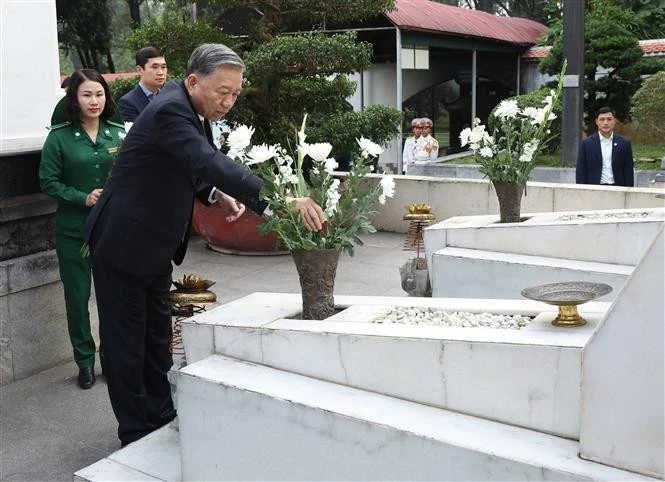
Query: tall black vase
column 509, row 195
column 317, row 270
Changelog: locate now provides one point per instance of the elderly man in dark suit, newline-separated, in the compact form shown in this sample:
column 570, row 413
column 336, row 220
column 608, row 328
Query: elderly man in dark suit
column 605, row 158
column 141, row 222
column 151, row 66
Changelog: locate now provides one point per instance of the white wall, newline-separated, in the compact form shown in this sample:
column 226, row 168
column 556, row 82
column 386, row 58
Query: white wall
column 469, row 197
column 29, row 73
column 622, row 370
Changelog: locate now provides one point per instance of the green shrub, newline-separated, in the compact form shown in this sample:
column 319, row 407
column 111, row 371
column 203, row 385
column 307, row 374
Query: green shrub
column 648, row 109
column 176, row 40
column 120, row 87
column 535, row 99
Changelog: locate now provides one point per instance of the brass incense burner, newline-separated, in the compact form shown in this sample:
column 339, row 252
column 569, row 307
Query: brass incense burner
column 192, row 289
column 567, row 295
column 419, row 216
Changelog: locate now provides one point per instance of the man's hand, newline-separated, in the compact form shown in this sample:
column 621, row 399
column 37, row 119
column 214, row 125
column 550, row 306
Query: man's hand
column 310, row 212
column 228, row 203
column 91, row 199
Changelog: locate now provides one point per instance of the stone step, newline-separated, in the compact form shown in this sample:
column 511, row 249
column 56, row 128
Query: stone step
column 528, row 377
column 476, row 273
column 619, row 236
column 244, row 421
column 155, row 457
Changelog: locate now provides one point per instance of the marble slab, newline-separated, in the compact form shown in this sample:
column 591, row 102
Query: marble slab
column 623, row 240
column 243, row 421
column 528, row 377
column 457, row 272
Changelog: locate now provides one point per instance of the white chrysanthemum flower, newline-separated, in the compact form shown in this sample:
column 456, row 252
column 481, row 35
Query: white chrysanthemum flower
column 332, row 198
column 239, row 139
column 387, row 188
column 369, row 148
column 319, row 151
column 128, row 125
column 260, row 153
column 507, row 109
column 464, row 136
column 530, row 112
column 331, row 165
column 477, row 134
column 486, row 152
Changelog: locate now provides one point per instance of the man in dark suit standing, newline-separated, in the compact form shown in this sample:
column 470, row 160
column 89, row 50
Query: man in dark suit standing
column 605, row 158
column 141, row 222
column 151, row 66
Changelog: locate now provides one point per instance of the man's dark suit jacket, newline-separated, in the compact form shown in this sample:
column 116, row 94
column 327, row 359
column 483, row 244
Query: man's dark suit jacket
column 590, row 161
column 142, row 218
column 132, row 104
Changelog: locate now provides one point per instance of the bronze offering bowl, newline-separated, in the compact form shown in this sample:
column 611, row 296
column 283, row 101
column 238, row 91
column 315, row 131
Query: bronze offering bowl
column 567, row 295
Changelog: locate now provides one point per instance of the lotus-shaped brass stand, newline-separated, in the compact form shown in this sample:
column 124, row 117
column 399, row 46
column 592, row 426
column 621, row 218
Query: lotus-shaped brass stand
column 567, row 295
column 192, row 289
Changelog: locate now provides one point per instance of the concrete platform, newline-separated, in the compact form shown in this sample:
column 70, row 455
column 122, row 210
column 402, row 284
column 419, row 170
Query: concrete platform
column 528, row 377
column 377, row 437
column 477, row 273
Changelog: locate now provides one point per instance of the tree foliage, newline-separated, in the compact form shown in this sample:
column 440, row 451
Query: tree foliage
column 83, row 26
column 613, row 63
column 648, row 19
column 135, row 11
column 543, row 11
column 175, row 38
column 290, row 75
column 648, row 108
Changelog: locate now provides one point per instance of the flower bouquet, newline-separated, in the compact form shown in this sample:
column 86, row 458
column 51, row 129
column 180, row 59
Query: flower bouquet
column 348, row 202
column 506, row 156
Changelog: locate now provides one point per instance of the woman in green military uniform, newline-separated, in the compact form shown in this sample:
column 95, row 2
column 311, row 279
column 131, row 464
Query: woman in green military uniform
column 76, row 159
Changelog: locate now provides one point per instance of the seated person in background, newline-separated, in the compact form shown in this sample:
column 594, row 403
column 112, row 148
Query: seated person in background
column 151, row 66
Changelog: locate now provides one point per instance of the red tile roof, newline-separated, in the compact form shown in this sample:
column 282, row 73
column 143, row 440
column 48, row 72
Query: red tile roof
column 433, row 17
column 649, row 47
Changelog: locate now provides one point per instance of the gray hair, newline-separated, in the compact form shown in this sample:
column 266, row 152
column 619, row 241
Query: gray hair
column 206, row 58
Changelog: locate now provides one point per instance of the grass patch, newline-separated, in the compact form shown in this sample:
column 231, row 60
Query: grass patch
column 640, row 151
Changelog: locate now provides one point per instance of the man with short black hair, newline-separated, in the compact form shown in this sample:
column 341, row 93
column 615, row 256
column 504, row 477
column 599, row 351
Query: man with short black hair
column 142, row 221
column 151, row 66
column 605, row 158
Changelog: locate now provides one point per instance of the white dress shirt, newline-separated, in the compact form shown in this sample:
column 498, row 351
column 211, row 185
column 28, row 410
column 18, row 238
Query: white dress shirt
column 606, row 175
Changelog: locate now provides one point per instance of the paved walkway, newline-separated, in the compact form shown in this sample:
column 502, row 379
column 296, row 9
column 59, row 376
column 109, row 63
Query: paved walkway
column 49, row 428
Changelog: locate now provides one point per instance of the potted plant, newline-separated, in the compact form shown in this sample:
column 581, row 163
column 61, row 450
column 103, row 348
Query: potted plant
column 348, row 204
column 507, row 156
